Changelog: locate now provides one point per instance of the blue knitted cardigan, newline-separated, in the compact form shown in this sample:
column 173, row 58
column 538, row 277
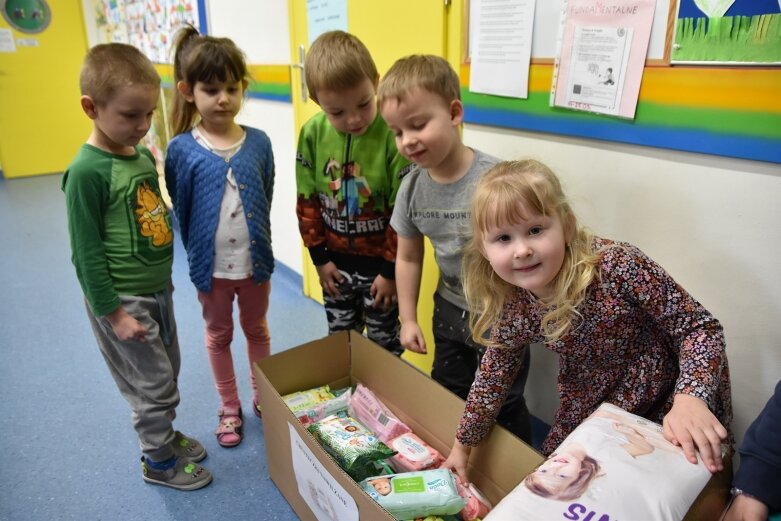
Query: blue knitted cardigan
column 195, row 178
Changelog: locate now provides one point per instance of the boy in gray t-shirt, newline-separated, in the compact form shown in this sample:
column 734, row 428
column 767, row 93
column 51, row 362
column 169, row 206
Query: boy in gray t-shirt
column 420, row 99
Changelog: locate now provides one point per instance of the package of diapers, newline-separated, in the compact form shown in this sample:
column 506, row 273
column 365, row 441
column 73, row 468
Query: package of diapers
column 369, row 410
column 412, row 454
column 614, row 466
column 352, row 445
column 416, row 494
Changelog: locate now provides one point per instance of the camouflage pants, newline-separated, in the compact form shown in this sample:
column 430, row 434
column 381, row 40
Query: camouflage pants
column 353, row 310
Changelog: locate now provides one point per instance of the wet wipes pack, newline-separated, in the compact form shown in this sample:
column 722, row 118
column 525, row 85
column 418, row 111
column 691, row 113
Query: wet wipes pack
column 353, row 446
column 370, row 411
column 301, row 400
column 412, row 453
column 416, row 494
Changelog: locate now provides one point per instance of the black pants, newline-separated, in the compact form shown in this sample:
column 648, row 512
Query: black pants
column 457, row 359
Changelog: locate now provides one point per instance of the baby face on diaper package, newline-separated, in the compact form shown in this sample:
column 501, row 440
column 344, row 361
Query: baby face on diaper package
column 416, row 494
column 613, row 466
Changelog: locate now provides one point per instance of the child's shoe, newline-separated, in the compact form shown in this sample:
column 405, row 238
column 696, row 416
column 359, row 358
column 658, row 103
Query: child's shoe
column 229, row 430
column 189, row 448
column 256, row 409
column 180, row 473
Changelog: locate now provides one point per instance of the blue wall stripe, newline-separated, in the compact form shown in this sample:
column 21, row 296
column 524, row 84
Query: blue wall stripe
column 270, row 97
column 687, row 140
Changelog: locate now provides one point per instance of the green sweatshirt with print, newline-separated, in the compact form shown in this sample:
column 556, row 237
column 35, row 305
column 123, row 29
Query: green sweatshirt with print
column 120, row 229
column 346, row 188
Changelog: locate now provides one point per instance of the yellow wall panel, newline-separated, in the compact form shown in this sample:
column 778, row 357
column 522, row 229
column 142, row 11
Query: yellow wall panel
column 41, row 122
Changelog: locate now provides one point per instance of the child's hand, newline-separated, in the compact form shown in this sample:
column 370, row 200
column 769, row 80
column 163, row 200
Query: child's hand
column 411, row 337
column 125, row 326
column 457, row 460
column 384, row 292
column 746, row 508
column 330, row 278
column 692, row 426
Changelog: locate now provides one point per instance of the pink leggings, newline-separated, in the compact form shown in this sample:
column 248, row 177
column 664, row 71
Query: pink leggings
column 218, row 313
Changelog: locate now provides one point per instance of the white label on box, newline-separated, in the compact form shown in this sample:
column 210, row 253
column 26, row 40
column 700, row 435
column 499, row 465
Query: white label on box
column 327, row 499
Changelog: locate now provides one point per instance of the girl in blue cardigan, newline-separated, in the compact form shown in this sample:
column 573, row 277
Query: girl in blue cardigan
column 220, row 176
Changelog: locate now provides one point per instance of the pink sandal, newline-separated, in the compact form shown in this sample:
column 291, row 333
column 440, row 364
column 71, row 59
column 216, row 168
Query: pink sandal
column 229, row 430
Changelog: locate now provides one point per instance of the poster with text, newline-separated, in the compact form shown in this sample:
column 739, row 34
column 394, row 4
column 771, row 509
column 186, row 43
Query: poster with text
column 602, row 50
column 500, row 46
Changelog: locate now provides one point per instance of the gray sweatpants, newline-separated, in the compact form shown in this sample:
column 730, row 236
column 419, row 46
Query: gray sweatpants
column 146, row 372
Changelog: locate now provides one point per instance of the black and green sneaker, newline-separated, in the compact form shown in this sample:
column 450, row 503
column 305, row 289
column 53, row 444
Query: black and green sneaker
column 189, row 448
column 182, row 475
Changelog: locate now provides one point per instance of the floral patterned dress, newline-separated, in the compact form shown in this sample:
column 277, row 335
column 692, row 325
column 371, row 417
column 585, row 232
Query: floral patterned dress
column 641, row 339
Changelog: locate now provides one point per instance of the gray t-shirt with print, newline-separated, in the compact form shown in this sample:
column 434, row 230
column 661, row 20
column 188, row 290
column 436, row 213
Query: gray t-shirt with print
column 441, row 213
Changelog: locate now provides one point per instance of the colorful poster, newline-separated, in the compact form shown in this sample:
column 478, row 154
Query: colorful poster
column 728, row 31
column 149, row 25
column 601, row 54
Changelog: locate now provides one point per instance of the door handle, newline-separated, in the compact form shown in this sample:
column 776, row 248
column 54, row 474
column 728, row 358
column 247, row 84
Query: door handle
column 300, row 66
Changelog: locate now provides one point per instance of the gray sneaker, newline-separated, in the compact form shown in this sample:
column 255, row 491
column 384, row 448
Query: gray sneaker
column 184, row 475
column 187, row 447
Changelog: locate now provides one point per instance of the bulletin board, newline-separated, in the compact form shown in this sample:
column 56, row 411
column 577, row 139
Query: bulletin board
column 150, row 26
column 719, row 110
column 546, row 26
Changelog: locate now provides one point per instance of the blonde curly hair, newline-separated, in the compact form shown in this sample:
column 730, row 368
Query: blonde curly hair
column 504, row 195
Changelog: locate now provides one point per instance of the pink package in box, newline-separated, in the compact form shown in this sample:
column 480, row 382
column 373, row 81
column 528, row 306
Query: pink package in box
column 413, row 454
column 477, row 505
column 613, row 466
column 370, row 411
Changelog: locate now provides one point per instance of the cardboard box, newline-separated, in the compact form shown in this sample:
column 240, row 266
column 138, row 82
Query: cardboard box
column 428, row 408
column 312, row 482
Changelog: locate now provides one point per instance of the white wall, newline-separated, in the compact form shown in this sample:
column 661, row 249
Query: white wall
column 276, row 119
column 261, row 30
column 711, row 222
